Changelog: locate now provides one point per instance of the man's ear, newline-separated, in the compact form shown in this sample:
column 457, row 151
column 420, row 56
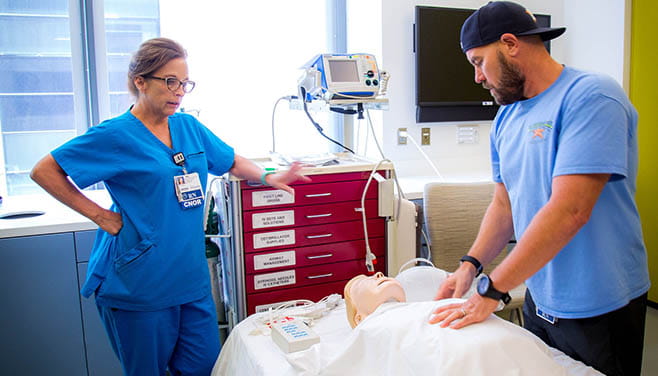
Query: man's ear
column 510, row 44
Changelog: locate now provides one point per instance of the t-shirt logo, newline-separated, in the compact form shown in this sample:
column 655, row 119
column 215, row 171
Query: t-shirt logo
column 539, row 131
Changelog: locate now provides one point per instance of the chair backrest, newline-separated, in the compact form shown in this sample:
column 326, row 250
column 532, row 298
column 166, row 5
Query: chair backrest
column 453, row 213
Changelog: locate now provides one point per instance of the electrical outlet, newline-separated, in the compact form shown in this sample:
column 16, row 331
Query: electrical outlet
column 425, row 136
column 402, row 136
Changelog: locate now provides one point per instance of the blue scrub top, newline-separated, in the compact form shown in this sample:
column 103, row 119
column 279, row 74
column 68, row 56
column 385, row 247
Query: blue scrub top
column 157, row 260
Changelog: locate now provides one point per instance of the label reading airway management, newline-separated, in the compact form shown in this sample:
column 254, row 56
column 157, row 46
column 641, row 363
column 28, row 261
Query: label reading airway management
column 274, row 260
column 264, row 281
column 273, row 219
column 275, row 197
column 274, row 239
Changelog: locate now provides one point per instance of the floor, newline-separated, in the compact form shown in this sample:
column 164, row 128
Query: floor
column 650, row 357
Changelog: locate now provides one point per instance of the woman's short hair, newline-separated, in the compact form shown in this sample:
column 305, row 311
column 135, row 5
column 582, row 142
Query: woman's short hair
column 152, row 55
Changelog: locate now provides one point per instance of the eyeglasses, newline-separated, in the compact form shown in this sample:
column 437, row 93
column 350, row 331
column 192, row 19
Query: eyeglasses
column 174, row 83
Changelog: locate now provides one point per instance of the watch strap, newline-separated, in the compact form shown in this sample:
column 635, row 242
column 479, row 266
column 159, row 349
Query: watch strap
column 475, row 262
column 492, row 293
column 506, row 298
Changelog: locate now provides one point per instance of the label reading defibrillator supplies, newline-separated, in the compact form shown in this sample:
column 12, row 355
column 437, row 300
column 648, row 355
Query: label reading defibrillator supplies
column 274, row 239
column 264, row 281
column 274, row 260
column 273, row 219
column 275, row 197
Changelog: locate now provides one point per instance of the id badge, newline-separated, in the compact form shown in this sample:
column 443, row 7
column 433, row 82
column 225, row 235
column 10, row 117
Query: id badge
column 188, row 190
column 545, row 316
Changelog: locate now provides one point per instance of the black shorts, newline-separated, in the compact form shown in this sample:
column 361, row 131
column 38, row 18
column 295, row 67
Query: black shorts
column 612, row 343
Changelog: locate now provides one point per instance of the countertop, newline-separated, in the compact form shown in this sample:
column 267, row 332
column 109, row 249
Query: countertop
column 57, row 217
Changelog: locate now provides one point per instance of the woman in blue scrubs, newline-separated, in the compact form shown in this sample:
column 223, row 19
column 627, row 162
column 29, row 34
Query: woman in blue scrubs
column 148, row 269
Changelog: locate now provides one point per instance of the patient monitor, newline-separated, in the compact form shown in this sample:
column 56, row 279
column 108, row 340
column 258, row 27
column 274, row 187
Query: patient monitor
column 335, row 76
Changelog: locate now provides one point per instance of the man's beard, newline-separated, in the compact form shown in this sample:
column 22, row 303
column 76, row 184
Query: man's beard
column 512, row 81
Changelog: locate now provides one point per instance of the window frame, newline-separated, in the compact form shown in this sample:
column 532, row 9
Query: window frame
column 90, row 73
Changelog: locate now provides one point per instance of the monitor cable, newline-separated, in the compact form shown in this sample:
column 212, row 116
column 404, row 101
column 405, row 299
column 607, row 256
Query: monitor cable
column 316, row 125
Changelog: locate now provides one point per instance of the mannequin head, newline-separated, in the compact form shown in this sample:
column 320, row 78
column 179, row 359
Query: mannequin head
column 364, row 294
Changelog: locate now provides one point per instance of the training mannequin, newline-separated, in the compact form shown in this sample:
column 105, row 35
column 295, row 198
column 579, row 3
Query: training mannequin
column 392, row 336
column 388, row 333
column 371, row 292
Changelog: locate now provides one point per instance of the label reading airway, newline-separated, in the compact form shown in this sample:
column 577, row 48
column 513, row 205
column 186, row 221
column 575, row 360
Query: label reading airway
column 274, row 260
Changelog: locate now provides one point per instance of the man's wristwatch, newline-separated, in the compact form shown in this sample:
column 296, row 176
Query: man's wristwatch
column 475, row 262
column 486, row 288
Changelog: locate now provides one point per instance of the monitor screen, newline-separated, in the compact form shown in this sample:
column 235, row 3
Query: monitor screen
column 444, row 77
column 343, row 71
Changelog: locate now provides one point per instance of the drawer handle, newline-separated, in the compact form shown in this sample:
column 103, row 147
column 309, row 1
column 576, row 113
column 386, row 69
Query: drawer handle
column 319, row 256
column 320, row 276
column 318, row 236
column 319, row 195
column 318, row 216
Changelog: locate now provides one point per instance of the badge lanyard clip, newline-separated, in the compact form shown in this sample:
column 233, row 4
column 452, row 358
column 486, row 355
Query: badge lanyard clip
column 179, row 160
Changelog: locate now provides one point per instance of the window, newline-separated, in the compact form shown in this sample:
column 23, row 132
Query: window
column 36, row 85
column 244, row 55
column 127, row 24
column 63, row 69
column 45, row 97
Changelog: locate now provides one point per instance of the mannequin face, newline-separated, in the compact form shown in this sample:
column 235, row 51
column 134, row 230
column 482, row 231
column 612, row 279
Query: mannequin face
column 364, row 294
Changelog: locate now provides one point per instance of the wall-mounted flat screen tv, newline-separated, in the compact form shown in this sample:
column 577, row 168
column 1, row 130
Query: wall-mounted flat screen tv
column 445, row 87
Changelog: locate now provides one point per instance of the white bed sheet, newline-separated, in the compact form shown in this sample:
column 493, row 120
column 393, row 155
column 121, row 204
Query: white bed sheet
column 386, row 344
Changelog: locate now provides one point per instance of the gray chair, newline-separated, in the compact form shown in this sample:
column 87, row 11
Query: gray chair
column 453, row 212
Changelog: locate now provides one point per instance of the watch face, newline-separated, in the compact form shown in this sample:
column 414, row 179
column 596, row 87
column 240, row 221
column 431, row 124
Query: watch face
column 483, row 285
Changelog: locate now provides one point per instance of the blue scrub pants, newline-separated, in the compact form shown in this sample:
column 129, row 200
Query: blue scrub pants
column 184, row 338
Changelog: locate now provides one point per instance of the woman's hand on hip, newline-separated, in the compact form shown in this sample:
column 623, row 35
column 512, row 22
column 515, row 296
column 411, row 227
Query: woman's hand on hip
column 109, row 221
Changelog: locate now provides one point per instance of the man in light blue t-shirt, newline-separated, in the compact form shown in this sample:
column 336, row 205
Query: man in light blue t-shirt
column 564, row 159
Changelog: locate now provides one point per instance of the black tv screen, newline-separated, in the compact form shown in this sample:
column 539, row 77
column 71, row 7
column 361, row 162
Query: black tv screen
column 445, row 80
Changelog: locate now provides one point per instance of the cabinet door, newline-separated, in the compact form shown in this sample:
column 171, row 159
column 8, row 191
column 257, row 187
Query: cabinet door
column 40, row 328
column 101, row 360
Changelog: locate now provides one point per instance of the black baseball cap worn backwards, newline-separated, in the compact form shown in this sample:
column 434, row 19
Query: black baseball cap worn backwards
column 496, row 18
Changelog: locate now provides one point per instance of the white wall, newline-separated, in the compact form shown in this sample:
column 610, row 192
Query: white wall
column 594, row 40
column 597, row 38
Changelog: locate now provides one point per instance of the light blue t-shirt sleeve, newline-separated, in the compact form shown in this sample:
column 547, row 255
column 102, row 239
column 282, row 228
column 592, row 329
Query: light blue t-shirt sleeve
column 89, row 158
column 592, row 136
column 495, row 158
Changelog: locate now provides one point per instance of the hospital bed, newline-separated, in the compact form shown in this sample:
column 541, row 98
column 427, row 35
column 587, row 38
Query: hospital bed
column 343, row 350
